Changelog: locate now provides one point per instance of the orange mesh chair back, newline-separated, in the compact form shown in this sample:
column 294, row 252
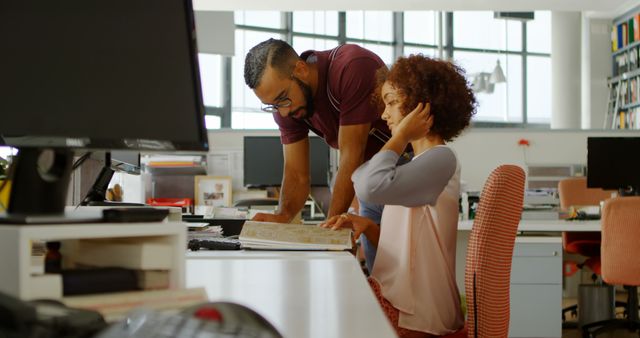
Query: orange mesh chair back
column 620, row 238
column 574, row 192
column 620, row 259
column 490, row 251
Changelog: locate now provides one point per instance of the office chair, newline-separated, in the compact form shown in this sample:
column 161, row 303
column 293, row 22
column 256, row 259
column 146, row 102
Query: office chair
column 490, row 251
column 620, row 260
column 574, row 192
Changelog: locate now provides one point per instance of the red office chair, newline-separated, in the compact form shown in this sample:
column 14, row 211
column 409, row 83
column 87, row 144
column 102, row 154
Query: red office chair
column 574, row 192
column 489, row 253
column 620, row 259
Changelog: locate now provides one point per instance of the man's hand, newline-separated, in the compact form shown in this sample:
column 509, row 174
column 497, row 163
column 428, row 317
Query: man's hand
column 264, row 217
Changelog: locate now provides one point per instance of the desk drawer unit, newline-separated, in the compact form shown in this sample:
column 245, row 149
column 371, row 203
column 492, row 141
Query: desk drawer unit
column 536, row 287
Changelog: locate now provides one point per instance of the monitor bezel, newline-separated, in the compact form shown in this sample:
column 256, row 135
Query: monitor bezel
column 147, row 145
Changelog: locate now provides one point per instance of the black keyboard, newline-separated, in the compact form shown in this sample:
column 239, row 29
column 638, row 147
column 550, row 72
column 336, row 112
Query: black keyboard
column 214, row 244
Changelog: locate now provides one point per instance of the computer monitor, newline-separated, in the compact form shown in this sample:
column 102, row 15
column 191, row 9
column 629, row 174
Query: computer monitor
column 124, row 161
column 114, row 161
column 116, row 74
column 613, row 163
column 263, row 161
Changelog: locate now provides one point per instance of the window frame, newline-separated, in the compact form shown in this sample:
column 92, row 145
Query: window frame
column 448, row 51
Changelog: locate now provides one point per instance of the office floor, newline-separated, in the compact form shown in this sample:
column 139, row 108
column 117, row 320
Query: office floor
column 576, row 333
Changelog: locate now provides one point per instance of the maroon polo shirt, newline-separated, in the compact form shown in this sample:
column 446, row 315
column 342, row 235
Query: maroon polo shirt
column 350, row 75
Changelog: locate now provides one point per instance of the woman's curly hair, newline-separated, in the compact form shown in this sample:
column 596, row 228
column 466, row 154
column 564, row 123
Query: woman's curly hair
column 441, row 83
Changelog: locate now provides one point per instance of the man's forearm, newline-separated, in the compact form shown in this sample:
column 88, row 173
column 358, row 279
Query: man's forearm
column 293, row 195
column 342, row 191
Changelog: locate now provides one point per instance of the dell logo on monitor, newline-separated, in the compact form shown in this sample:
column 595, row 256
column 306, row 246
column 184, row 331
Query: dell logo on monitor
column 74, row 142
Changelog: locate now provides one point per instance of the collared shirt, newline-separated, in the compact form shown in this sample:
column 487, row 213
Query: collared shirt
column 349, row 76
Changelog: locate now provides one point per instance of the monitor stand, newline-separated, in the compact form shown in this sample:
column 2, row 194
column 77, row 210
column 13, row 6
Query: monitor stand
column 39, row 184
column 97, row 195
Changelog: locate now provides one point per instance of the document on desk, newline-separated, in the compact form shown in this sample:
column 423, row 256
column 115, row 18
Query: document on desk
column 284, row 236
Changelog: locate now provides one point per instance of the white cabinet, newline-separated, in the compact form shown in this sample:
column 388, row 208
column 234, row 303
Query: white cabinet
column 15, row 248
column 536, row 287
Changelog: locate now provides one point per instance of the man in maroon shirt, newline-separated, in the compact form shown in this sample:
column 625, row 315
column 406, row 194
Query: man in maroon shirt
column 327, row 92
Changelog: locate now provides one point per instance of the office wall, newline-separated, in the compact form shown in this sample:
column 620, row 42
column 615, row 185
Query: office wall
column 479, row 150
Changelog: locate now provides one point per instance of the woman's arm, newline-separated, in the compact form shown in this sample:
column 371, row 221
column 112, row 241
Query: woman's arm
column 416, row 183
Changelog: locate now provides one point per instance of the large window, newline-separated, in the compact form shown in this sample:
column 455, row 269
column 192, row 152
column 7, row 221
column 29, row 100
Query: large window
column 478, row 41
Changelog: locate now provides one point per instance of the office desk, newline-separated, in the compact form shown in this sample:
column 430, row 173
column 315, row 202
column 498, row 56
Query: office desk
column 325, row 294
column 303, row 294
column 545, row 226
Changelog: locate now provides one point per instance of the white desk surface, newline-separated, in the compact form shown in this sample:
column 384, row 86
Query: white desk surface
column 544, row 226
column 303, row 294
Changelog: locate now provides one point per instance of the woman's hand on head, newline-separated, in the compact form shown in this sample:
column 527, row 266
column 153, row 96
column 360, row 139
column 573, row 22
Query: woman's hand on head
column 417, row 124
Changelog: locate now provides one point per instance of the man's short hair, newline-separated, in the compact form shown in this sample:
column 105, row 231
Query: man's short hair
column 276, row 53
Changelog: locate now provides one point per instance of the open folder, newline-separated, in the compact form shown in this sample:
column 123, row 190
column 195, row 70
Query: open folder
column 283, row 236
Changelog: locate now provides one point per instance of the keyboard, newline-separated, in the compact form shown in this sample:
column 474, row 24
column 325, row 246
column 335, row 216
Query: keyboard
column 214, row 244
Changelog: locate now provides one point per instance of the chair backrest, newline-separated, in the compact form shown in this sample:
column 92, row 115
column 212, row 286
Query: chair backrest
column 490, row 251
column 573, row 191
column 620, row 236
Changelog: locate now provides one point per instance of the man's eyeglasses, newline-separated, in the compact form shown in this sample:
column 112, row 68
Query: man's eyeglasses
column 273, row 108
column 282, row 103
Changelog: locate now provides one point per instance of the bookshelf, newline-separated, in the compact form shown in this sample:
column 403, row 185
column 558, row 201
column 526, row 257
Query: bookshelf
column 15, row 249
column 623, row 111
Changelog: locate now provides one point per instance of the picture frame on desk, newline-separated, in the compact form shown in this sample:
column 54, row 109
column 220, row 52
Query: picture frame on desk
column 213, row 190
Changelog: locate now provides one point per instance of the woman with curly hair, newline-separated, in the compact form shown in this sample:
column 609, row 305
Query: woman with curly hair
column 427, row 103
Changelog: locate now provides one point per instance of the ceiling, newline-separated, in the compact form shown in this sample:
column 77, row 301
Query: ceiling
column 593, row 8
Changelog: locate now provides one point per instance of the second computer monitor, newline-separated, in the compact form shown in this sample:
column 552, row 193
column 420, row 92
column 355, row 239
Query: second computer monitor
column 263, row 161
column 613, row 163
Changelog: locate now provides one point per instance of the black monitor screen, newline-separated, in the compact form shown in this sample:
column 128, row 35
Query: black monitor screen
column 613, row 162
column 98, row 74
column 108, row 74
column 263, row 161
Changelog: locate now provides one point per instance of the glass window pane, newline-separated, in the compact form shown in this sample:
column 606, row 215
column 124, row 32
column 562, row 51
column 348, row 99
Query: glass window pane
column 539, row 89
column 243, row 98
column 211, row 79
column 301, row 44
column 512, row 66
column 431, row 52
column 212, row 121
column 355, row 24
column 316, row 22
column 270, row 19
column 539, row 32
column 252, row 120
column 421, row 27
column 513, row 35
column 475, row 29
column 494, row 100
column 370, row 25
column 383, row 51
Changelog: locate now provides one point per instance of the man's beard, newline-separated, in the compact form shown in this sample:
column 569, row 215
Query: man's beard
column 308, row 97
